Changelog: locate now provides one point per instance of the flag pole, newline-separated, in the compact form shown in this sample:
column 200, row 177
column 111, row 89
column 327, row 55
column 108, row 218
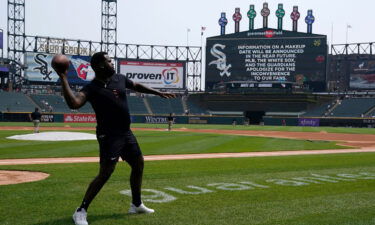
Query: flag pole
column 201, row 65
column 347, row 32
column 332, row 34
column 201, row 36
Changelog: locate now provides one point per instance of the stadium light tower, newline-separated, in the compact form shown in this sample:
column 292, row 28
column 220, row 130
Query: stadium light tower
column 16, row 40
column 16, row 29
column 109, row 26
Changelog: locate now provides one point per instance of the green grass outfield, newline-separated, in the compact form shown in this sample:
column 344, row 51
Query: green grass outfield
column 157, row 143
column 209, row 126
column 290, row 190
column 297, row 190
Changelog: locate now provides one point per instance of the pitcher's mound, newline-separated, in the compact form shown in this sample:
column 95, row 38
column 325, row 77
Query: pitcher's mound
column 55, row 136
column 17, row 177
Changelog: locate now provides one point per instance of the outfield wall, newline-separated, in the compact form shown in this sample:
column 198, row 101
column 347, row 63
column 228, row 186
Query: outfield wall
column 25, row 117
column 322, row 121
column 150, row 119
column 157, row 119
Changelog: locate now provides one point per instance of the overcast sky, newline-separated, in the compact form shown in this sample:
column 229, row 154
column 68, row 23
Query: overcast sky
column 165, row 22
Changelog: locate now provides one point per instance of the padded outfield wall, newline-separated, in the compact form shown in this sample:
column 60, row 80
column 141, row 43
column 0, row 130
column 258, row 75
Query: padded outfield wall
column 149, row 119
column 320, row 121
column 160, row 119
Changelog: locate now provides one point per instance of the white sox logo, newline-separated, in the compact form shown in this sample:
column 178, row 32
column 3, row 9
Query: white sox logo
column 221, row 62
column 43, row 66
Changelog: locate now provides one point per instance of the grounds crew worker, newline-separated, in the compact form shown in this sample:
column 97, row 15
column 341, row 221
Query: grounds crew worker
column 35, row 117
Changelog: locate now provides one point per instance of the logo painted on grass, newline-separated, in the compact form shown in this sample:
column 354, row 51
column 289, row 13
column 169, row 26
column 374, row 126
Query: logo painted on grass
column 157, row 196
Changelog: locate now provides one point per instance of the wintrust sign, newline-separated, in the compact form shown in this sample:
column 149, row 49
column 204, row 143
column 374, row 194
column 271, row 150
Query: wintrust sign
column 154, row 74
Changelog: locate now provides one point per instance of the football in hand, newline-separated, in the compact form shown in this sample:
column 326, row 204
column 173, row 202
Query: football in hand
column 60, row 63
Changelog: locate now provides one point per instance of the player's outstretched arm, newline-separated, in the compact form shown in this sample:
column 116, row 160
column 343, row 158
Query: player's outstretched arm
column 147, row 90
column 74, row 100
column 60, row 64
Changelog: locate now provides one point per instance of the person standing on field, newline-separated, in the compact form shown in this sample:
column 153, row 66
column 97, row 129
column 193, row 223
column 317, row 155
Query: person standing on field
column 170, row 119
column 107, row 95
column 35, row 118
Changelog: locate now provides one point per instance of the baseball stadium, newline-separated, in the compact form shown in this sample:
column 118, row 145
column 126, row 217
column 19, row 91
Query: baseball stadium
column 262, row 126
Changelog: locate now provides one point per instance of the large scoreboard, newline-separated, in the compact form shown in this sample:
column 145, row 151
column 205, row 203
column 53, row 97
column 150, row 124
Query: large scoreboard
column 362, row 73
column 267, row 56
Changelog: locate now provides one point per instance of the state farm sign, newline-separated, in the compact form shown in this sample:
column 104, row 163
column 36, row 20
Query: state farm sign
column 79, row 118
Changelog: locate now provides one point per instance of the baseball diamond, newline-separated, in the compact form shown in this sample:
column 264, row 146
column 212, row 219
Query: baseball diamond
column 201, row 113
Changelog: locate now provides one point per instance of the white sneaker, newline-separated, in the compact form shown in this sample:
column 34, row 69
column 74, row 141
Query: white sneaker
column 140, row 209
column 79, row 217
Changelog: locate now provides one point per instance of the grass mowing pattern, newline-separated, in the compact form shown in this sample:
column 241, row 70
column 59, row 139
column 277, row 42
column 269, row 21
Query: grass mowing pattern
column 157, row 143
column 52, row 201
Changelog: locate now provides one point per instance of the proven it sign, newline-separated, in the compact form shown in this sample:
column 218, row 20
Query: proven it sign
column 155, row 74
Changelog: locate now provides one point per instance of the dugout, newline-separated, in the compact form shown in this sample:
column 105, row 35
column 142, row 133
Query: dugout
column 254, row 117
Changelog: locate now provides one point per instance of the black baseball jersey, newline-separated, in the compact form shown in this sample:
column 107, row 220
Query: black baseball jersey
column 110, row 104
column 36, row 115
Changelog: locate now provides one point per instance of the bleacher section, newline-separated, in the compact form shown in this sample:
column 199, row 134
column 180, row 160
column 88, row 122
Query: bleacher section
column 86, row 108
column 15, row 102
column 318, row 111
column 56, row 103
column 176, row 105
column 159, row 105
column 19, row 102
column 45, row 101
column 165, row 106
column 137, row 105
column 371, row 114
column 195, row 109
column 353, row 107
column 202, row 104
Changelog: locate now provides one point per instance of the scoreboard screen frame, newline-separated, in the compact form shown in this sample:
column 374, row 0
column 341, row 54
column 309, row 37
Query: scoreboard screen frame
column 268, row 55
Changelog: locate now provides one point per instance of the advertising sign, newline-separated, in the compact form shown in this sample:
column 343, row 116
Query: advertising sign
column 197, row 120
column 308, row 122
column 79, row 118
column 156, row 119
column 155, row 74
column 362, row 74
column 4, row 68
column 39, row 69
column 49, row 118
column 266, row 55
